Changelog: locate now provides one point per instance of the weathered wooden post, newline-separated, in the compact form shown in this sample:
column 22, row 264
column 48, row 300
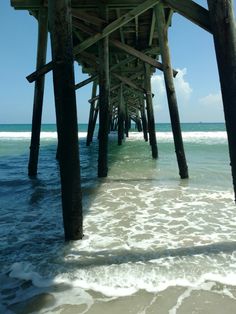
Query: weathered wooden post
column 91, row 115
column 126, row 120
column 96, row 109
column 144, row 118
column 121, row 116
column 224, row 32
column 104, row 95
column 150, row 113
column 38, row 92
column 138, row 123
column 65, row 101
column 170, row 90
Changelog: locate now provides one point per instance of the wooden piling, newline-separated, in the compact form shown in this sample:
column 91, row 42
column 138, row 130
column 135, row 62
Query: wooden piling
column 150, row 113
column 38, row 92
column 144, row 119
column 91, row 115
column 95, row 116
column 65, row 102
column 170, row 90
column 127, row 126
column 121, row 116
column 224, row 32
column 139, row 124
column 103, row 106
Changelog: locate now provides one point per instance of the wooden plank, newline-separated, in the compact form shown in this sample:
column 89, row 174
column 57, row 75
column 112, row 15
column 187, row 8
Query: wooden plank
column 224, row 33
column 192, row 11
column 38, row 92
column 113, row 26
column 67, row 127
column 170, row 90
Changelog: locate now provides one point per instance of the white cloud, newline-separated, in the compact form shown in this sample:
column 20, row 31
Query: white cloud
column 192, row 108
column 183, row 89
column 158, row 89
column 158, row 84
column 211, row 100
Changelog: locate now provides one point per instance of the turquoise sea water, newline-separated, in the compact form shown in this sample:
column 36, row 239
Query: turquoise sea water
column 146, row 231
column 163, row 127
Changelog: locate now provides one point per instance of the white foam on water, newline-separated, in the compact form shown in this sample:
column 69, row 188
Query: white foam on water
column 218, row 137
column 27, row 135
column 145, row 240
column 61, row 289
column 195, row 137
column 24, row 271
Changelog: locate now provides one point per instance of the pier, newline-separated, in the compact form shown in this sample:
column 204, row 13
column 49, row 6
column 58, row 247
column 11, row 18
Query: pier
column 119, row 44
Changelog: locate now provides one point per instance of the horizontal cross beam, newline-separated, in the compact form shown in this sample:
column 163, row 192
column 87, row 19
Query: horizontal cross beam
column 192, row 11
column 140, row 55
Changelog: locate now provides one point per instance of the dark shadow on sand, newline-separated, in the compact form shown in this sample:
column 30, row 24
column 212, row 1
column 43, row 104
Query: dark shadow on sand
column 118, row 257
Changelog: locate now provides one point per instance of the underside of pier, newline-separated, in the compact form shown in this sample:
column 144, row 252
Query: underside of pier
column 119, row 44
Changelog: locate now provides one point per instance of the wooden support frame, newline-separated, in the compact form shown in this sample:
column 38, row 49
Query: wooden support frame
column 170, row 90
column 38, row 93
column 116, row 43
column 224, row 33
column 67, row 127
column 113, row 26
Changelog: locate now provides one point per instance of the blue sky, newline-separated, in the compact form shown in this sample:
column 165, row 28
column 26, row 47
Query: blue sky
column 192, row 50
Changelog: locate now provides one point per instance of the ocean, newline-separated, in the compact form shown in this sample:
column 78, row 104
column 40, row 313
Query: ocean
column 153, row 243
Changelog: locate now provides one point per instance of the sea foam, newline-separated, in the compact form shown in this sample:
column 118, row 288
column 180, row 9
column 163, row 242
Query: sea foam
column 194, row 137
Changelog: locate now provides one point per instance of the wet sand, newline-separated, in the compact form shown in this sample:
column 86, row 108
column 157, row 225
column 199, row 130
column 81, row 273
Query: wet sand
column 214, row 298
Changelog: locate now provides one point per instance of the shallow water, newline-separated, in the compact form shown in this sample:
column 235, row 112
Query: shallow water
column 153, row 243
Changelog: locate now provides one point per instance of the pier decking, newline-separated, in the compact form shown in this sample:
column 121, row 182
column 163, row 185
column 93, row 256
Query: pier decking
column 119, row 44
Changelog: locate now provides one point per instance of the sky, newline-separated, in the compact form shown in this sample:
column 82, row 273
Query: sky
column 192, row 52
